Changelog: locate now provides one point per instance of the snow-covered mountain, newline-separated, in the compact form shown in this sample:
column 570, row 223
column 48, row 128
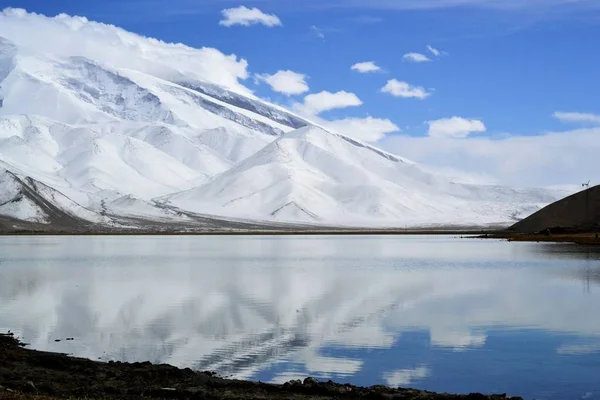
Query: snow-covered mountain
column 145, row 129
column 313, row 175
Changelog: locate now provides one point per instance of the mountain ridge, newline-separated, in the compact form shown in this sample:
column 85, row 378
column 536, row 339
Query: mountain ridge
column 159, row 140
column 311, row 167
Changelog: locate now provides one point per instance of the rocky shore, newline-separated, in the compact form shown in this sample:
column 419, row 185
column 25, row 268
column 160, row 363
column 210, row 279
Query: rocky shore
column 31, row 374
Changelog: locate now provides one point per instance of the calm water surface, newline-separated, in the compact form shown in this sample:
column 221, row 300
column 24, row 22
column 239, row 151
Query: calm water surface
column 436, row 313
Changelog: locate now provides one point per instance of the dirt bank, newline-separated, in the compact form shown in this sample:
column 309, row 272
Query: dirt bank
column 578, row 212
column 30, row 374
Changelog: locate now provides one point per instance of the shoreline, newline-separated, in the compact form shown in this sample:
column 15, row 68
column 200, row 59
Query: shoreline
column 32, row 374
column 582, row 238
column 323, row 232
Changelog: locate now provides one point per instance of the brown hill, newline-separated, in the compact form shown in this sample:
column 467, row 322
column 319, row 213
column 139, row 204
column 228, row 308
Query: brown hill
column 577, row 213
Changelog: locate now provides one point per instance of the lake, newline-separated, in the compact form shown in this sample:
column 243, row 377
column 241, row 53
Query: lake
column 431, row 312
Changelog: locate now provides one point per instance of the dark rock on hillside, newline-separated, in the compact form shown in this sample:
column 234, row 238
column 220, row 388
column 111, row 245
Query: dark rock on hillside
column 577, row 213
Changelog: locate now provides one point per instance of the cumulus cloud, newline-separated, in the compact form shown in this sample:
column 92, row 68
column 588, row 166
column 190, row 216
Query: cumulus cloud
column 416, row 57
column 550, row 159
column 315, row 104
column 455, row 127
column 366, row 67
column 245, row 16
column 403, row 89
column 577, row 117
column 366, row 129
column 76, row 36
column 286, row 82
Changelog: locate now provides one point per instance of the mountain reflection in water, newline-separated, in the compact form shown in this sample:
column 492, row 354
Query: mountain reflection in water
column 437, row 313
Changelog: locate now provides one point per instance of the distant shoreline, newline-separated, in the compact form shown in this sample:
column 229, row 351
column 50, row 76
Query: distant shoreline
column 344, row 232
column 581, row 238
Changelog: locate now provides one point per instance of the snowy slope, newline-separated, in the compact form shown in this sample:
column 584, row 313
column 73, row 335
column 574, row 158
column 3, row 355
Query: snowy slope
column 13, row 204
column 99, row 121
column 29, row 200
column 312, row 175
column 129, row 206
column 86, row 128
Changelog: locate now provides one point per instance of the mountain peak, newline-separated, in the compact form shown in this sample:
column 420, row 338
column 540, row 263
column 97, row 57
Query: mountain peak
column 66, row 36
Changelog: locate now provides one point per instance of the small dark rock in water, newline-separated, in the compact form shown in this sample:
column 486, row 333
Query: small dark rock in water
column 57, row 340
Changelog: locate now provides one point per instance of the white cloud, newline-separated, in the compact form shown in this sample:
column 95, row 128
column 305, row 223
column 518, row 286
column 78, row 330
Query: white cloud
column 550, row 159
column 76, row 36
column 434, row 51
column 405, row 377
column 455, row 127
column 366, row 129
column 416, row 57
column 315, row 104
column 286, row 82
column 403, row 89
column 245, row 16
column 318, row 32
column 366, row 67
column 577, row 117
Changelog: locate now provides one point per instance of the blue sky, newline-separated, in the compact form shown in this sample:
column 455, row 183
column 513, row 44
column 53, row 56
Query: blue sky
column 510, row 68
column 509, row 65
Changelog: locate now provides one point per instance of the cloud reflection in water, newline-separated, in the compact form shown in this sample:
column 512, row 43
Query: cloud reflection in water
column 286, row 307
